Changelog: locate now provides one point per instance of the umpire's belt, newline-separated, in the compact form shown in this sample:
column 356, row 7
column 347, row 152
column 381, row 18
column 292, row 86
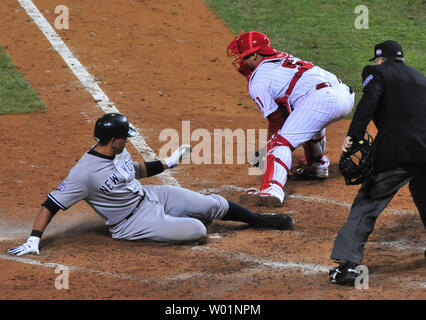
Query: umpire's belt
column 131, row 213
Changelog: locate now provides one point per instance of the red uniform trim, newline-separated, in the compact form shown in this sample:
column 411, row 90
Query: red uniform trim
column 277, row 141
column 322, row 85
column 269, row 173
column 260, row 101
column 302, row 67
column 278, row 55
column 283, row 164
column 283, row 103
column 276, row 120
column 277, row 183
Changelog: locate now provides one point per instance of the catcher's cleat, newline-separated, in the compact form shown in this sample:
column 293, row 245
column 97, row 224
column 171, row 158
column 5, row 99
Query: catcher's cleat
column 344, row 274
column 264, row 199
column 275, row 221
column 270, row 201
column 249, row 197
column 317, row 170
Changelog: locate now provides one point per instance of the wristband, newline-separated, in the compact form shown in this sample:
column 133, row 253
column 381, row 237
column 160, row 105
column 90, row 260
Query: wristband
column 36, row 233
column 153, row 168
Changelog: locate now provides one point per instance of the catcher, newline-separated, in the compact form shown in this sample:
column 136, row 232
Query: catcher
column 395, row 99
column 299, row 100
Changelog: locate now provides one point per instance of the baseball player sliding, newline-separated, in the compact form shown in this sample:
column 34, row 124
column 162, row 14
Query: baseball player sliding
column 299, row 100
column 106, row 178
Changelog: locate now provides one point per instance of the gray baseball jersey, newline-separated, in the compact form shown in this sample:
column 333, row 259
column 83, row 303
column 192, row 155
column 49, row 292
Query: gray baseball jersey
column 110, row 186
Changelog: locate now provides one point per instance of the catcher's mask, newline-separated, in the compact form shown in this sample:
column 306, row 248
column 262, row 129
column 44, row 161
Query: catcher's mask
column 357, row 163
column 112, row 125
column 245, row 45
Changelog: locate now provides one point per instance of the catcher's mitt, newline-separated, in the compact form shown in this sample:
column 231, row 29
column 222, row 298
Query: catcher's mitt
column 356, row 164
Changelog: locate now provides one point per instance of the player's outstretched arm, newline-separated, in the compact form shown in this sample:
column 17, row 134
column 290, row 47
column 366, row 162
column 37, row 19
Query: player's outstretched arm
column 152, row 168
column 183, row 151
column 31, row 245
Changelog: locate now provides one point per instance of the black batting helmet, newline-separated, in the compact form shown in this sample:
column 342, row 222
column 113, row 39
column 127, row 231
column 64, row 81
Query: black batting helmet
column 112, row 125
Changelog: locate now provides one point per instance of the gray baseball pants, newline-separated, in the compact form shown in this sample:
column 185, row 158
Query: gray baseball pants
column 373, row 197
column 170, row 213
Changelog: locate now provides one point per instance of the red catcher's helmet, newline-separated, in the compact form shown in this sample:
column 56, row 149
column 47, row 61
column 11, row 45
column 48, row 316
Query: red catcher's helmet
column 246, row 44
column 250, row 42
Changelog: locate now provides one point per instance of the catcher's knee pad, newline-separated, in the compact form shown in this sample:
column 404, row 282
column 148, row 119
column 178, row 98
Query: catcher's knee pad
column 278, row 141
column 278, row 163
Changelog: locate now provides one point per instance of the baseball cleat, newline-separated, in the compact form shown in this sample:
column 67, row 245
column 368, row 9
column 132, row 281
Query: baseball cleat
column 251, row 190
column 344, row 274
column 270, row 201
column 250, row 199
column 317, row 170
column 261, row 199
column 275, row 221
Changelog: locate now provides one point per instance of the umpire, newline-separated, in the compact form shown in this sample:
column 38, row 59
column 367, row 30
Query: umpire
column 395, row 99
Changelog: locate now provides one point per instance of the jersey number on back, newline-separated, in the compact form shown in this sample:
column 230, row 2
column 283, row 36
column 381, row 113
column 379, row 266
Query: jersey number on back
column 289, row 63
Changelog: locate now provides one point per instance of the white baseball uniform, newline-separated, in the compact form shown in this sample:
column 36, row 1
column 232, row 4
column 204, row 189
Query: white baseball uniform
column 313, row 97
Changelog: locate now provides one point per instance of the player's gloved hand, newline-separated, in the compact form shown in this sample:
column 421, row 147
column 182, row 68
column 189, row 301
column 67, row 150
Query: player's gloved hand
column 347, row 144
column 31, row 246
column 182, row 151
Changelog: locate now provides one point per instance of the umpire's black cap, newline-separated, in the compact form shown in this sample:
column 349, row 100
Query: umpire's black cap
column 112, row 125
column 389, row 49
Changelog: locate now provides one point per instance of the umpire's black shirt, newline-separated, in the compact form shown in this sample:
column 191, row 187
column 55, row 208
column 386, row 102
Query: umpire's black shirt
column 395, row 99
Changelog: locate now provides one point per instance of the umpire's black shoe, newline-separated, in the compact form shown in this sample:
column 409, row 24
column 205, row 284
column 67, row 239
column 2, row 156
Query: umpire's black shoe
column 280, row 221
column 344, row 274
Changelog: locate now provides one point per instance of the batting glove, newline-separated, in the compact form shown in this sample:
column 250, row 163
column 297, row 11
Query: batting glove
column 182, row 151
column 31, row 246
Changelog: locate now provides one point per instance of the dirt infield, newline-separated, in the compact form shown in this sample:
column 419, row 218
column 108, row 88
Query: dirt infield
column 163, row 62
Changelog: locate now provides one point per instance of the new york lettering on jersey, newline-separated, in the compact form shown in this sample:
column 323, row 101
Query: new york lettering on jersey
column 124, row 172
column 110, row 183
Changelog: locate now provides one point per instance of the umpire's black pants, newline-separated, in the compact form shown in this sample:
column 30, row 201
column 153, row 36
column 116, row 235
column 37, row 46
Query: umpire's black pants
column 373, row 197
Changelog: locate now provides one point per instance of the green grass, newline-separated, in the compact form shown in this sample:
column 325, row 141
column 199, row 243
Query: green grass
column 16, row 94
column 323, row 31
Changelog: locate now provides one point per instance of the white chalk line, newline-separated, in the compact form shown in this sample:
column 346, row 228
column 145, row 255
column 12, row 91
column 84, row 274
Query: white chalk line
column 107, row 274
column 231, row 187
column 304, row 267
column 89, row 82
column 401, row 244
column 54, row 265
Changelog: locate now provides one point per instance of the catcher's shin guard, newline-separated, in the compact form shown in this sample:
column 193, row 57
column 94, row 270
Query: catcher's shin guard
column 315, row 163
column 278, row 162
column 314, row 149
